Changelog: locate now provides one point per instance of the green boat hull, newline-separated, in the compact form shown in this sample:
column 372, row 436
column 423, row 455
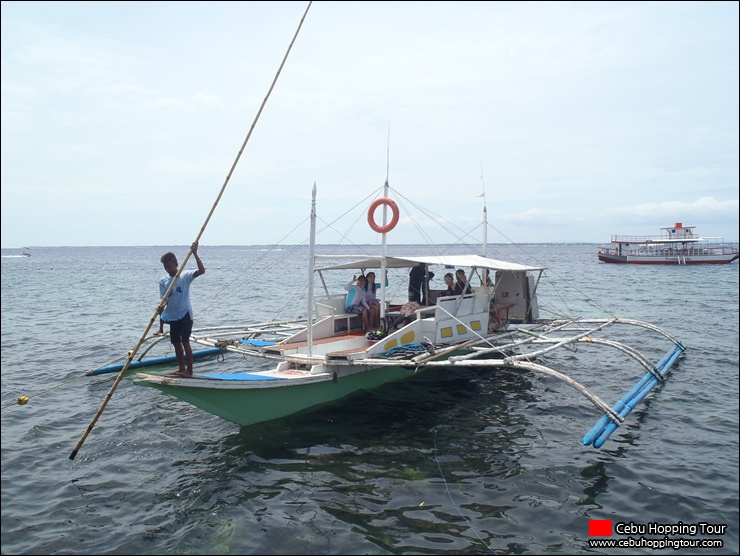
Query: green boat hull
column 279, row 398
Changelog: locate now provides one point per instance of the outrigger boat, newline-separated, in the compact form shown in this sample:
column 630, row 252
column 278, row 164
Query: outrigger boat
column 677, row 244
column 298, row 365
column 290, row 366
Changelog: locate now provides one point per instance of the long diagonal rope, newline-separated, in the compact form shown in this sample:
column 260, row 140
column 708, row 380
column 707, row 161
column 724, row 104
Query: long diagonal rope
column 132, row 353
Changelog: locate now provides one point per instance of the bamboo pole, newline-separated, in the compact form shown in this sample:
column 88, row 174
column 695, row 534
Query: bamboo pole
column 132, row 353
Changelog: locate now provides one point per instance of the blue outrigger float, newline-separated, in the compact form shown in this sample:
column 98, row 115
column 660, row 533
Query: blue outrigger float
column 151, row 362
column 605, row 426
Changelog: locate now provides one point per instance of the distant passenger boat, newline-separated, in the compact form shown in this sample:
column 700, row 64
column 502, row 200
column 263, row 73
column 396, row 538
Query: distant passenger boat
column 25, row 254
column 675, row 245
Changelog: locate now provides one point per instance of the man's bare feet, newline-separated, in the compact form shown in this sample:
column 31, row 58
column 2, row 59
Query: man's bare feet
column 182, row 374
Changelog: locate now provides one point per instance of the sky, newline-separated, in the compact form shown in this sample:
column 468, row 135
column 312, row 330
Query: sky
column 121, row 121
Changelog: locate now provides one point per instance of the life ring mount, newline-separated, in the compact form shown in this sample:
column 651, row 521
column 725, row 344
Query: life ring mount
column 390, row 203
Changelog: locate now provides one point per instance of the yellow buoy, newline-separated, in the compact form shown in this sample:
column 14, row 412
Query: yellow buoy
column 23, row 400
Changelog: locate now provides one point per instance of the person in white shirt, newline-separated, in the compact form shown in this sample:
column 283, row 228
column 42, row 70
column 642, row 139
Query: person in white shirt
column 356, row 302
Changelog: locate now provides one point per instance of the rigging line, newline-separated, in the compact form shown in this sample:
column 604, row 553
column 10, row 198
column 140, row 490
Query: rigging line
column 537, row 261
column 449, row 494
column 329, row 225
column 440, row 221
column 444, row 223
column 23, row 400
column 187, row 257
column 232, row 289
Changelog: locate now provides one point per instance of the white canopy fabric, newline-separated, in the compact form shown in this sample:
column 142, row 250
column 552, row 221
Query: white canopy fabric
column 456, row 261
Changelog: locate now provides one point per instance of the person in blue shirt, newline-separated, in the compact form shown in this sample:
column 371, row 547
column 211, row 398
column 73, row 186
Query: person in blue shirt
column 178, row 311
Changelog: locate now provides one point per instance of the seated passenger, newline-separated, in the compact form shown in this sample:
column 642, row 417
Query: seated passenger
column 373, row 302
column 356, row 303
column 462, row 287
column 449, row 282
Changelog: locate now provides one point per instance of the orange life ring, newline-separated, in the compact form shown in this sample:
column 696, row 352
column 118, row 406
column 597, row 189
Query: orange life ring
column 394, row 219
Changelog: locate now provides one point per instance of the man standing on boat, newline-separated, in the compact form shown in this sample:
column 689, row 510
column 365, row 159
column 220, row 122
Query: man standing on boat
column 178, row 311
column 419, row 278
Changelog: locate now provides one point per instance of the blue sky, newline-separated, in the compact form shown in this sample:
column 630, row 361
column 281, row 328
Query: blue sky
column 121, row 120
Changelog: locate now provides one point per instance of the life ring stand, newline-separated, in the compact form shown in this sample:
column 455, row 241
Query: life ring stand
column 394, row 218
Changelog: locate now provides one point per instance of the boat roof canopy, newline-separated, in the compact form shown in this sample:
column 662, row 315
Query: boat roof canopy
column 456, row 261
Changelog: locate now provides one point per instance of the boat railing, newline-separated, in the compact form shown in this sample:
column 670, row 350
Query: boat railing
column 330, row 305
column 670, row 251
column 643, row 239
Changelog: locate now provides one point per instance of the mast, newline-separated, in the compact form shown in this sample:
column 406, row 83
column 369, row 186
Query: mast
column 311, row 255
column 383, row 267
column 485, row 228
column 386, row 189
column 485, row 215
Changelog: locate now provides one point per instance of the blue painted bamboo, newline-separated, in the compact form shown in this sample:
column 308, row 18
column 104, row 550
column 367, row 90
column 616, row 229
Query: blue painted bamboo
column 630, row 405
column 155, row 361
column 601, row 424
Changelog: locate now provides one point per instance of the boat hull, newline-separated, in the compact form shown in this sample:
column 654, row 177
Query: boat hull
column 667, row 260
column 246, row 402
column 677, row 244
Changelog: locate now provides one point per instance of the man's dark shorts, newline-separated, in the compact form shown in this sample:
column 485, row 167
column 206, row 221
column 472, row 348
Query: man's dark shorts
column 180, row 330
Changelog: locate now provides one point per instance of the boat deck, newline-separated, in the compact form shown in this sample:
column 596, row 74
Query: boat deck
column 344, row 352
column 280, row 349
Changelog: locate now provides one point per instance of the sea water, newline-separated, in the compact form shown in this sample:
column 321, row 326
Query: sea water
column 467, row 461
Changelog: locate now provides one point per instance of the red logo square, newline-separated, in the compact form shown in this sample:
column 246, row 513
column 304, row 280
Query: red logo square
column 600, row 528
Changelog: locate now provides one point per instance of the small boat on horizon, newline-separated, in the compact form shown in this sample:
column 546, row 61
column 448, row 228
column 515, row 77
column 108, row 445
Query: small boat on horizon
column 677, row 244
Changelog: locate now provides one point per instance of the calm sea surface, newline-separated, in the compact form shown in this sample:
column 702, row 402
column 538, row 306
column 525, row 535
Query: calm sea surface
column 449, row 462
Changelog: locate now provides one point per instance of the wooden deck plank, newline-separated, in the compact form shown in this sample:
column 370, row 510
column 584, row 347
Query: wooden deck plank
column 298, row 345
